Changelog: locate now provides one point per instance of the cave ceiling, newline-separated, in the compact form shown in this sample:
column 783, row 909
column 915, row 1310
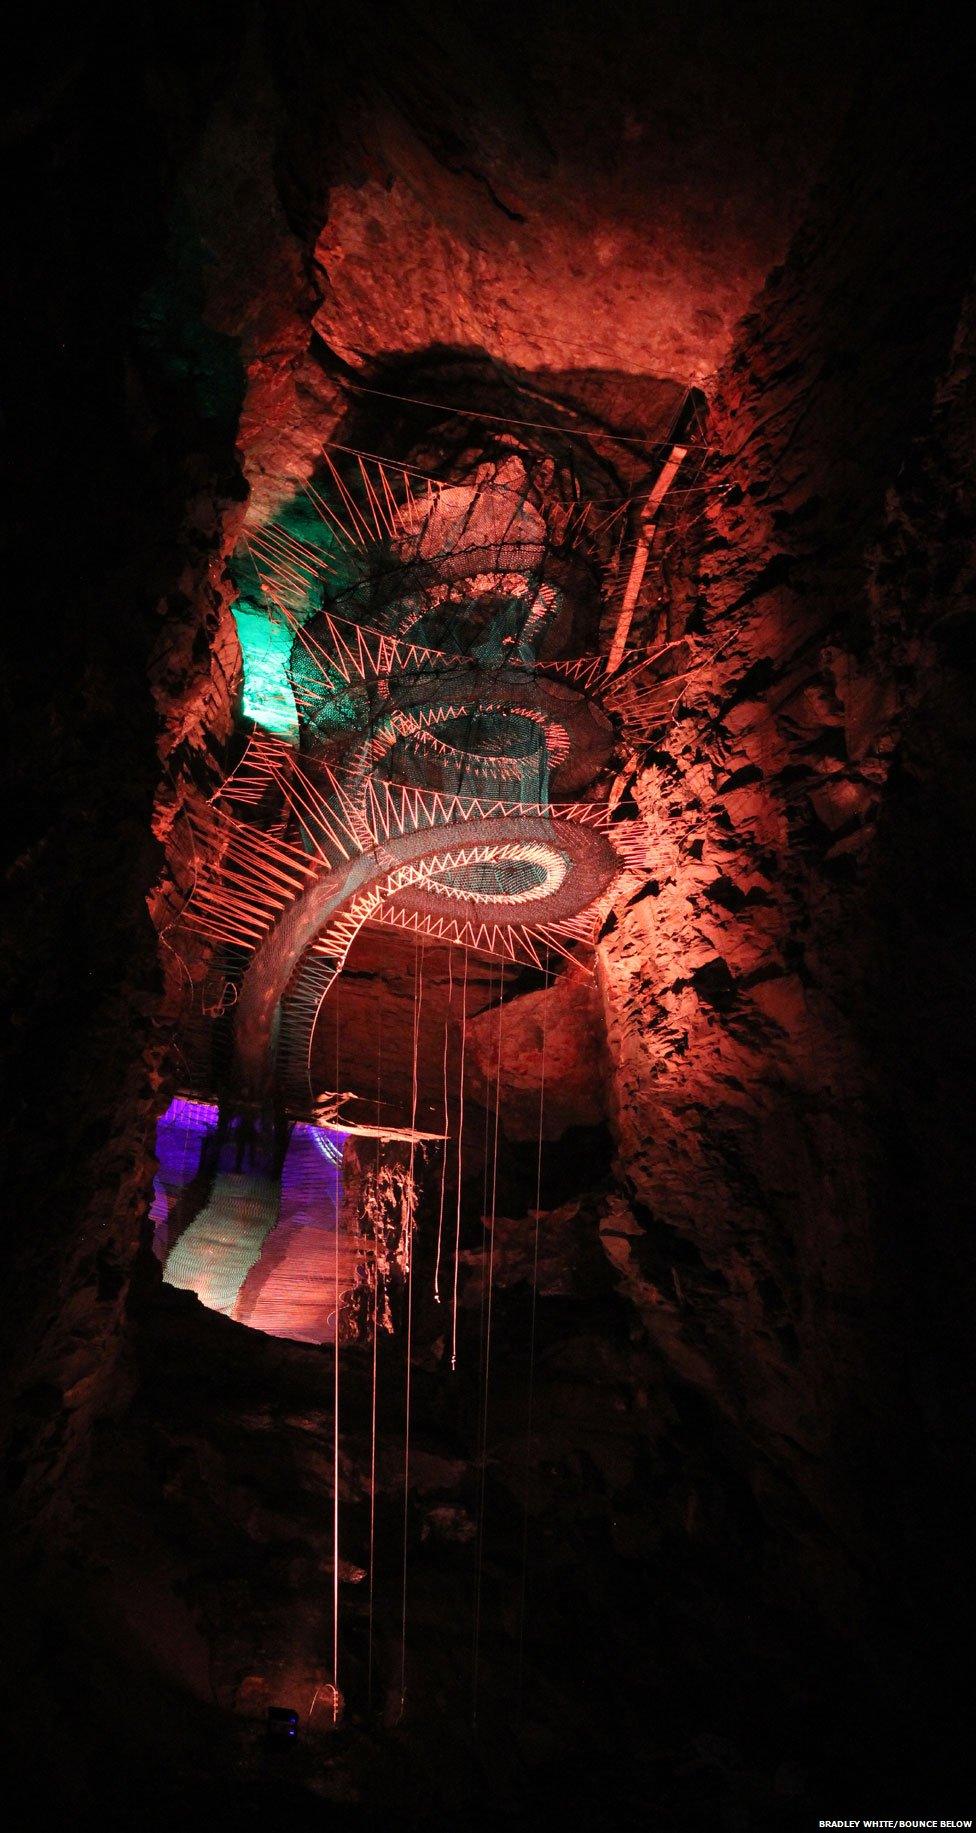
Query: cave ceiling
column 455, row 181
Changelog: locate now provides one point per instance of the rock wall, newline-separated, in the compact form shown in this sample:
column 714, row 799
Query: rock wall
column 121, row 466
column 772, row 993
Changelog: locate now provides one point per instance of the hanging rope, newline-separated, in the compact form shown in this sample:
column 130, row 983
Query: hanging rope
column 460, row 1151
column 487, row 1281
column 440, row 1212
column 408, row 1271
column 486, row 1188
column 335, row 1433
column 592, row 435
column 530, row 1407
column 375, row 1370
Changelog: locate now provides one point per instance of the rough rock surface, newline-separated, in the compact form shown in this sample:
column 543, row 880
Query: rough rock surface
column 755, row 987
column 542, row 1058
column 551, row 234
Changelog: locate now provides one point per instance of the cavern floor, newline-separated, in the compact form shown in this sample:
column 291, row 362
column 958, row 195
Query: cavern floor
column 664, row 1658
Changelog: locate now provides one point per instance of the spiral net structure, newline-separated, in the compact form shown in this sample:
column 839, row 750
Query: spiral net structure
column 444, row 744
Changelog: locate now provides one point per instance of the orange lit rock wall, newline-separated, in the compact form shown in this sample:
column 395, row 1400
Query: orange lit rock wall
column 753, row 990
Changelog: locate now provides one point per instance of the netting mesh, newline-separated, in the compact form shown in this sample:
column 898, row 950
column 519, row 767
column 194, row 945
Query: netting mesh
column 439, row 741
column 429, row 697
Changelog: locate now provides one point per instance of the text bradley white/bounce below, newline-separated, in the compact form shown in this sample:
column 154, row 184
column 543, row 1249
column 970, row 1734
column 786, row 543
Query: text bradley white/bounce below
column 894, row 1823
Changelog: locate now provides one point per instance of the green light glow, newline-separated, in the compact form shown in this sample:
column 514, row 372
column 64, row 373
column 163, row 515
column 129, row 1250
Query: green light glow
column 267, row 696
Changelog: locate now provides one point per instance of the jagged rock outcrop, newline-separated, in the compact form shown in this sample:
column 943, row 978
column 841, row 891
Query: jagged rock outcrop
column 757, row 1104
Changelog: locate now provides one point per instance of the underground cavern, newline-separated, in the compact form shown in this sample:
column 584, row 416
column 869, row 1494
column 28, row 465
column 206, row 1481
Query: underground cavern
column 487, row 952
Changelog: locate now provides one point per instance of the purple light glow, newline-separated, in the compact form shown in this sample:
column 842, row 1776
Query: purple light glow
column 272, row 1256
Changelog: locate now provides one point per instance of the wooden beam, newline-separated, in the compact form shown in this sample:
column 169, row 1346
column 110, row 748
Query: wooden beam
column 648, row 524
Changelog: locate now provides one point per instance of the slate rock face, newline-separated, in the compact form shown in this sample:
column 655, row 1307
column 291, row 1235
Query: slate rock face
column 751, row 1001
column 547, row 1059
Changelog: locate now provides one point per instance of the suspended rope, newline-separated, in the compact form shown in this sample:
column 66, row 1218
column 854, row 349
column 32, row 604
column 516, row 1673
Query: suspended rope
column 335, row 1430
column 485, row 1210
column 487, row 1281
column 408, row 1272
column 375, row 1372
column 591, row 435
column 485, row 1193
column 460, row 1163
column 530, row 1404
column 440, row 1210
column 406, row 474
